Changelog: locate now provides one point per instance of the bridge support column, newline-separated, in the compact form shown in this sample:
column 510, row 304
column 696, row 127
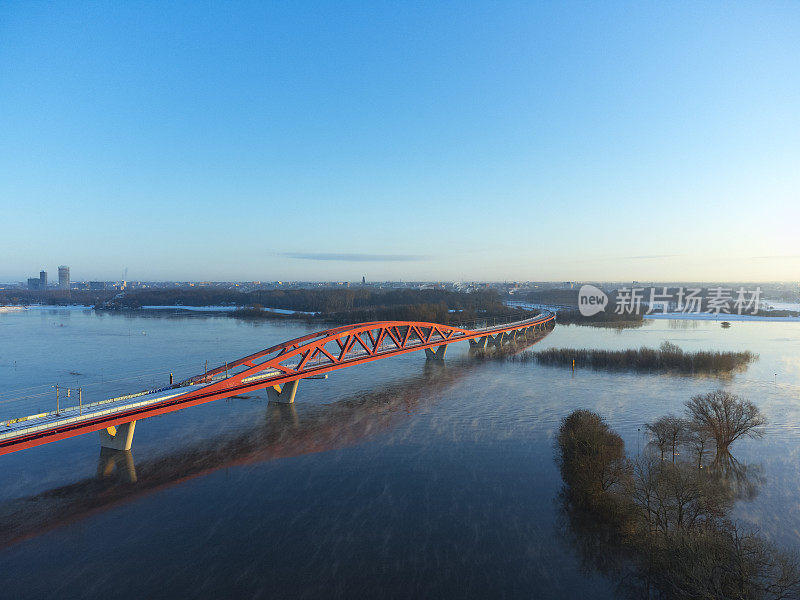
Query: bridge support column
column 498, row 339
column 479, row 342
column 438, row 354
column 283, row 394
column 118, row 438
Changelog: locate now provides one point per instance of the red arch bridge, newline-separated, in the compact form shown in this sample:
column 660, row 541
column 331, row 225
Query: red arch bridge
column 278, row 369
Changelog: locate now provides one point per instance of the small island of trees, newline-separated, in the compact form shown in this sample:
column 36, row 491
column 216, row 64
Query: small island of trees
column 659, row 523
column 668, row 357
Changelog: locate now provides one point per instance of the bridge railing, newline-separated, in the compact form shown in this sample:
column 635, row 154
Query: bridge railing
column 492, row 322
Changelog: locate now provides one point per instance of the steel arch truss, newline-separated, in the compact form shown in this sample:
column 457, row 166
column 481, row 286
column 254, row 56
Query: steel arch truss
column 324, row 351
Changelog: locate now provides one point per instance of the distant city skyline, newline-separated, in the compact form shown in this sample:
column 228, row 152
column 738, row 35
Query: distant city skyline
column 319, row 142
column 42, row 281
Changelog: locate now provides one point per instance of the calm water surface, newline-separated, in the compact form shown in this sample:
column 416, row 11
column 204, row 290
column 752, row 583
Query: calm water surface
column 398, row 478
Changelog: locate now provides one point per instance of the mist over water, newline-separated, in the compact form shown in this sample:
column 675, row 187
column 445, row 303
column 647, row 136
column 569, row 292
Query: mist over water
column 399, row 477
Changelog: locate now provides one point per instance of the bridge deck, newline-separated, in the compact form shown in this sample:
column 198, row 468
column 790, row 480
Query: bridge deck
column 74, row 420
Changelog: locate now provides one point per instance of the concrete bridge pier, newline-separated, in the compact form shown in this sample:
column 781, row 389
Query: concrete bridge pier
column 438, row 354
column 283, row 394
column 118, row 438
column 479, row 343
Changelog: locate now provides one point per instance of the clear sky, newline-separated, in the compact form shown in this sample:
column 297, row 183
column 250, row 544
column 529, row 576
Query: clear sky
column 459, row 140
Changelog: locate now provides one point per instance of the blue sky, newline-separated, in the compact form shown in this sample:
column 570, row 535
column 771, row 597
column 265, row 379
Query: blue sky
column 291, row 140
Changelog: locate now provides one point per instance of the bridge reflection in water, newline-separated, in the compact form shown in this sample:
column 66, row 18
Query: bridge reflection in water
column 285, row 431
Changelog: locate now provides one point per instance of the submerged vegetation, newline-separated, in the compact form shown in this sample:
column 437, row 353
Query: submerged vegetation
column 660, row 524
column 668, row 357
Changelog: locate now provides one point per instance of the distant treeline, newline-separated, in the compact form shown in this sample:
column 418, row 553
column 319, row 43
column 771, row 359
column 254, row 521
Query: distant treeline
column 428, row 312
column 329, row 300
column 775, row 313
column 554, row 297
column 54, row 297
column 607, row 318
column 668, row 357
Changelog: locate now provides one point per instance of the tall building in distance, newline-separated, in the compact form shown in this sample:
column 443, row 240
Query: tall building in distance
column 63, row 277
column 33, row 283
column 42, row 280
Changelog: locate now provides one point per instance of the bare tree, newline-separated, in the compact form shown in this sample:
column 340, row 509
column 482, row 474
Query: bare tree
column 659, row 436
column 643, row 492
column 699, row 441
column 686, row 499
column 725, row 564
column 756, row 569
column 668, row 433
column 670, row 348
column 726, row 417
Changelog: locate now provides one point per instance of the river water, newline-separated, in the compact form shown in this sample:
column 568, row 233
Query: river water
column 398, row 478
